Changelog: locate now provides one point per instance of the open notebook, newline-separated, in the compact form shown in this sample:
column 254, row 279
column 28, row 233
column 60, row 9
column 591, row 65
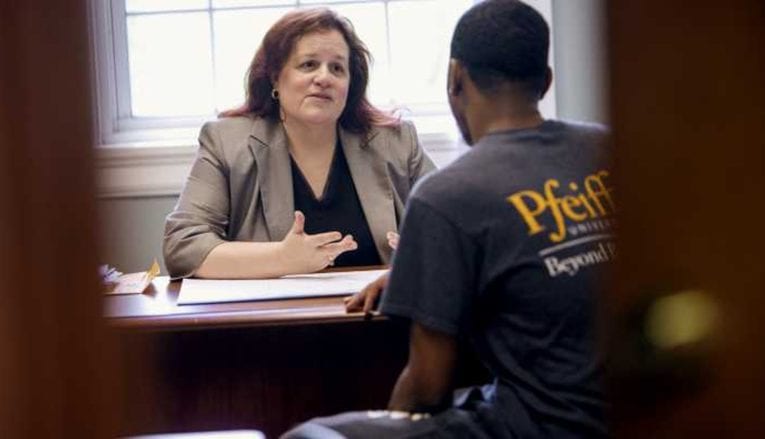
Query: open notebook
column 339, row 283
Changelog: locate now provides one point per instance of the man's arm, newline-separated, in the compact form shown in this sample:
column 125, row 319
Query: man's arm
column 425, row 384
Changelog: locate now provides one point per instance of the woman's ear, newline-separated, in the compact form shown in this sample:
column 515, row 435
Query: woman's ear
column 274, row 81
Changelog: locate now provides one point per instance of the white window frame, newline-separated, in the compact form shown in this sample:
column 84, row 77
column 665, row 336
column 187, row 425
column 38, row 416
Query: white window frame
column 147, row 157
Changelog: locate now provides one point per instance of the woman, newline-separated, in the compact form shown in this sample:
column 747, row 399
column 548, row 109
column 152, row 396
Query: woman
column 306, row 174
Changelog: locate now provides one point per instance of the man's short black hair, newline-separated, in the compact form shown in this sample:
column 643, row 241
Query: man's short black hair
column 503, row 40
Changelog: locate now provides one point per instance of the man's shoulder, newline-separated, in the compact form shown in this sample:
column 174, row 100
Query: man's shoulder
column 582, row 126
column 510, row 161
column 592, row 132
column 450, row 188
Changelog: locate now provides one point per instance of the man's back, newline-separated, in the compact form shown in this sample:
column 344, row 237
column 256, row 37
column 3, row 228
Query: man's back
column 509, row 242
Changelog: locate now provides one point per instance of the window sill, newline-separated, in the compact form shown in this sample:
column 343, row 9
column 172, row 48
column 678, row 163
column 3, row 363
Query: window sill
column 143, row 170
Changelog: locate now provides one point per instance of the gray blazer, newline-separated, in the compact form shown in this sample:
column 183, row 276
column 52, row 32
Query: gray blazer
column 240, row 187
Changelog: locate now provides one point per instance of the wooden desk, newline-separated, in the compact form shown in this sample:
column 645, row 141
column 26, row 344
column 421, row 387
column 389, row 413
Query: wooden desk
column 156, row 310
column 263, row 365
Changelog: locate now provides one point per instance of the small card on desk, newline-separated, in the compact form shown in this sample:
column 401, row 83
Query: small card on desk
column 135, row 283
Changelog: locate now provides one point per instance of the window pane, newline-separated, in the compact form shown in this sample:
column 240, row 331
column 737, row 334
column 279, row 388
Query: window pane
column 369, row 23
column 420, row 48
column 163, row 5
column 250, row 3
column 238, row 35
column 170, row 64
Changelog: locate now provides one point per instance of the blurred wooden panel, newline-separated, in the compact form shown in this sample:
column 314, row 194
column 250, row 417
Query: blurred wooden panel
column 268, row 378
column 687, row 108
column 55, row 362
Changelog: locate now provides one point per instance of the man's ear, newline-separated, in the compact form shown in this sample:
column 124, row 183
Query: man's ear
column 548, row 82
column 455, row 78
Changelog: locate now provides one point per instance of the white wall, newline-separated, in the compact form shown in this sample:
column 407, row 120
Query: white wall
column 580, row 60
column 132, row 231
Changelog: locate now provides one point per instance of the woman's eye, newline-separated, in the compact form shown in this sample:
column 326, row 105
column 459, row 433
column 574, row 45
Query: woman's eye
column 338, row 68
column 308, row 64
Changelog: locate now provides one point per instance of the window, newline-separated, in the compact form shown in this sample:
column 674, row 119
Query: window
column 163, row 67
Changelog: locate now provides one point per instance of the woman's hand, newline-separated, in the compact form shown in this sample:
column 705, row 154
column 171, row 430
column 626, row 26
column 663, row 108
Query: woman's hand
column 305, row 253
column 392, row 239
column 366, row 299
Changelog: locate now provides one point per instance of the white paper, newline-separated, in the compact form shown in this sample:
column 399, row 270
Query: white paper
column 337, row 283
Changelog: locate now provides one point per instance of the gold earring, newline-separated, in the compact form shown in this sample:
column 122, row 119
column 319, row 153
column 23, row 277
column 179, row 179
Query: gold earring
column 274, row 94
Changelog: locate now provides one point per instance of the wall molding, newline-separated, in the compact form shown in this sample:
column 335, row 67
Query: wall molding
column 143, row 170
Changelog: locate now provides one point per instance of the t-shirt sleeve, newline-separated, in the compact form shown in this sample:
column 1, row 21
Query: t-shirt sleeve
column 432, row 279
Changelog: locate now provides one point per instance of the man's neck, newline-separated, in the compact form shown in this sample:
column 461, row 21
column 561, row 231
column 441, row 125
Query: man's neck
column 517, row 122
column 495, row 118
column 506, row 108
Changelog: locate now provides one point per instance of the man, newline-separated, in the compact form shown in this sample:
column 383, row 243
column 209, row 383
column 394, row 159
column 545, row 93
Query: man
column 501, row 249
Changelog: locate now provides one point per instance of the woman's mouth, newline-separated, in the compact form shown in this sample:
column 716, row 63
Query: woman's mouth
column 322, row 96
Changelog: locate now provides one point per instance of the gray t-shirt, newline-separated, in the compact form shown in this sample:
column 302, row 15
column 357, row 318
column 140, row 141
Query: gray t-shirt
column 503, row 248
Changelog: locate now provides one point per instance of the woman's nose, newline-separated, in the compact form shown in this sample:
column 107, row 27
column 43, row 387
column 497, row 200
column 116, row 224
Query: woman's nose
column 323, row 76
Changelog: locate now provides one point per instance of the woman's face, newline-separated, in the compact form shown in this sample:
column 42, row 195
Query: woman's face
column 313, row 84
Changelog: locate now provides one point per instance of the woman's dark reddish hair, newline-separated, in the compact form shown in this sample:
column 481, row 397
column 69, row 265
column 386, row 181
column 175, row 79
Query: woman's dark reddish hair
column 358, row 115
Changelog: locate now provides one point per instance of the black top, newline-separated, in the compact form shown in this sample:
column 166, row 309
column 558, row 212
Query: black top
column 339, row 209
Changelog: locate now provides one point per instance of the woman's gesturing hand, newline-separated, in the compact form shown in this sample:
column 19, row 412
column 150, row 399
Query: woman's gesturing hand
column 306, row 253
